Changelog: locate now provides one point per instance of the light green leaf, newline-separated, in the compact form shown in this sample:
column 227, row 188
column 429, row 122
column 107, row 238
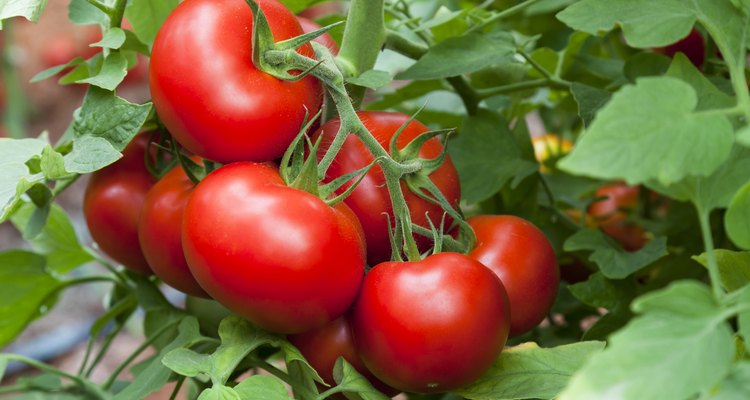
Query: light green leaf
column 187, row 362
column 29, row 9
column 26, row 286
column 353, row 383
column 734, row 267
column 487, row 156
column 52, row 163
column 462, row 55
column 89, row 154
column 113, row 39
column 678, row 340
column 82, row 12
column 735, row 386
column 238, row 339
column 113, row 71
column 147, row 16
column 220, row 392
column 709, row 96
column 737, row 218
column 743, row 136
column 528, row 371
column 372, row 79
column 15, row 176
column 656, row 133
column 613, row 261
column 261, row 387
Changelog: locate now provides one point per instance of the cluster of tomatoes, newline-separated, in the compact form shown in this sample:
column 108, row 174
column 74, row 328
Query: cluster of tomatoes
column 282, row 257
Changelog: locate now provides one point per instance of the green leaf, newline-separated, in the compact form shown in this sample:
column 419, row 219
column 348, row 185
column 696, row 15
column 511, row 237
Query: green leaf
column 598, row 291
column 219, row 392
column 238, row 339
column 678, row 340
column 743, row 136
column 154, row 374
column 657, row 134
column 89, row 154
column 487, row 156
column 735, row 386
column 50, row 72
column 709, row 96
column 105, row 115
column 261, row 387
column 52, row 163
column 462, row 55
column 26, row 286
column 29, row 9
column 299, row 5
column 528, row 371
column 613, row 261
column 147, row 16
column 372, row 79
column 113, row 71
column 645, row 64
column 743, row 318
column 353, row 383
column 113, row 39
column 645, row 23
column 187, row 362
column 737, row 218
column 15, row 176
column 590, row 100
column 82, row 12
column 734, row 267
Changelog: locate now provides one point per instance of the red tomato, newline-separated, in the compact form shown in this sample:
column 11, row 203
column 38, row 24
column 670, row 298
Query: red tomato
column 323, row 346
column 370, row 200
column 209, row 94
column 159, row 231
column 112, row 204
column 432, row 325
column 277, row 256
column 325, row 39
column 523, row 258
column 612, row 214
column 693, row 46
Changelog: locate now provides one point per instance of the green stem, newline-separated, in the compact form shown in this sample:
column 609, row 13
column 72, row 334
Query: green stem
column 363, row 39
column 503, row 14
column 736, row 59
column 536, row 66
column 101, row 6
column 521, row 86
column 118, row 12
column 15, row 114
column 105, row 347
column 708, row 242
column 77, row 380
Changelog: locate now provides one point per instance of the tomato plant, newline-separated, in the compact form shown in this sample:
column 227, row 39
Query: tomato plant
column 275, row 255
column 325, row 39
column 370, row 200
column 247, row 115
column 617, row 202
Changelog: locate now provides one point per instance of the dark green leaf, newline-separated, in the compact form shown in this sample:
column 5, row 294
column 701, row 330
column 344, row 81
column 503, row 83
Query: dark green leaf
column 299, row 5
column 147, row 16
column 238, row 339
column 462, row 55
column 613, row 261
column 105, row 115
column 353, row 383
column 646, row 64
column 599, row 291
column 528, row 371
column 262, row 387
column 487, row 156
column 737, row 218
column 590, row 100
column 709, row 96
column 657, row 134
column 26, row 286
column 734, row 268
column 678, row 340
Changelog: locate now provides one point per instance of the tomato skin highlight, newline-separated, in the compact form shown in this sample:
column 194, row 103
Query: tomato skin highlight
column 209, row 94
column 160, row 231
column 433, row 325
column 277, row 256
column 112, row 205
column 524, row 260
column 370, row 201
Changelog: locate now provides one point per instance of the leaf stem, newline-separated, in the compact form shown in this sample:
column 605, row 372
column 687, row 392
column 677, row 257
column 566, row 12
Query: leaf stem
column 708, row 242
column 509, row 12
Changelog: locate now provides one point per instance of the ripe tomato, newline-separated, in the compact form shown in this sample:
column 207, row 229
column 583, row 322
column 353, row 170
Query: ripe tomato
column 692, row 45
column 370, row 200
column 277, row 256
column 523, row 258
column 549, row 148
column 159, row 231
column 112, row 204
column 612, row 212
column 209, row 94
column 323, row 346
column 432, row 325
column 325, row 39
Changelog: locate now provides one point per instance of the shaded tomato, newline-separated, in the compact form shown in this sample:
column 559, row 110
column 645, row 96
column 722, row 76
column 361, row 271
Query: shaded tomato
column 432, row 325
column 112, row 205
column 323, row 346
column 209, row 94
column 370, row 201
column 277, row 256
column 160, row 231
column 325, row 39
column 612, row 212
column 693, row 46
column 523, row 258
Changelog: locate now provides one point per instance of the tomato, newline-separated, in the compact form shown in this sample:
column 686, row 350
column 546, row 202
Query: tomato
column 325, row 39
column 277, row 256
column 323, row 346
column 523, row 258
column 693, row 46
column 112, row 204
column 549, row 148
column 370, row 200
column 209, row 94
column 432, row 325
column 611, row 213
column 159, row 231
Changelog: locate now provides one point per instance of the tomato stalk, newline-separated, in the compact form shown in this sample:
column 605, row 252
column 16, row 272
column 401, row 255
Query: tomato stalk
column 708, row 243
